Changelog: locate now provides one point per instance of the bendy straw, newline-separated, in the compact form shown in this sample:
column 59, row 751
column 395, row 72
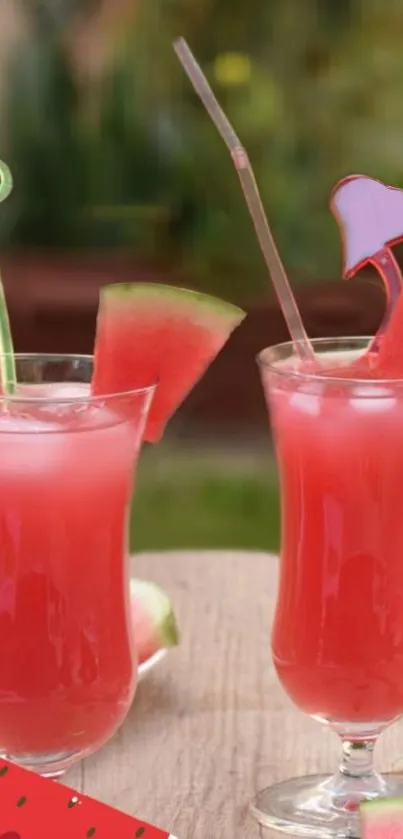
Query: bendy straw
column 250, row 189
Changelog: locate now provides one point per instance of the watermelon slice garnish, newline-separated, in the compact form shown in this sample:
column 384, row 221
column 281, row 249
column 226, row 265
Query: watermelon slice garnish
column 150, row 333
column 382, row 818
column 153, row 619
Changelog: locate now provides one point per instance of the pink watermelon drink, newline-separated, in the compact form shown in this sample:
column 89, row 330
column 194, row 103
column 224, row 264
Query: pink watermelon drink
column 67, row 665
column 67, row 462
column 337, row 638
column 338, row 630
column 68, row 452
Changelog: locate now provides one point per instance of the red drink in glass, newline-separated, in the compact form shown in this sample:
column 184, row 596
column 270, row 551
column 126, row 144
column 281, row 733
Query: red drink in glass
column 337, row 637
column 338, row 631
column 67, row 664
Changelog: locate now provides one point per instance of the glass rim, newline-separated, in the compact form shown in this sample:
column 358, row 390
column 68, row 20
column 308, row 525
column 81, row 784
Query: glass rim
column 70, row 400
column 307, row 376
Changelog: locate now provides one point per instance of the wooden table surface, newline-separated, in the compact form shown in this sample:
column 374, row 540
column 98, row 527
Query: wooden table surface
column 211, row 725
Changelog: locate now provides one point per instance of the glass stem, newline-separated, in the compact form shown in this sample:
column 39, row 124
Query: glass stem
column 356, row 778
column 357, row 759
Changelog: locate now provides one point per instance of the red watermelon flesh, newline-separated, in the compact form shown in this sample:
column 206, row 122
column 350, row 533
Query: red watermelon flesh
column 390, row 357
column 382, row 818
column 151, row 332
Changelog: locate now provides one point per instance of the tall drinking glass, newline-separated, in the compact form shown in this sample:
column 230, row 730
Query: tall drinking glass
column 337, row 639
column 67, row 663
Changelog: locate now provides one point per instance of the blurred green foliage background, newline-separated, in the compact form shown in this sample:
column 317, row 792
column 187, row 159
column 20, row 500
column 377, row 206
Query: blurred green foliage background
column 130, row 159
column 188, row 498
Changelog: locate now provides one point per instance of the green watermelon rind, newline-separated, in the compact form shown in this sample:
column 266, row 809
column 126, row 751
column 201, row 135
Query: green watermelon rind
column 378, row 806
column 198, row 301
column 160, row 610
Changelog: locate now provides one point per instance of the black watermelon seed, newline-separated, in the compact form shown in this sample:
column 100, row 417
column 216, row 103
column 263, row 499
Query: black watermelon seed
column 139, row 832
column 3, row 771
column 73, row 801
column 21, row 801
column 92, row 831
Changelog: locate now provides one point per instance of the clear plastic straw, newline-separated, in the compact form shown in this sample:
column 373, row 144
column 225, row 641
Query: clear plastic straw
column 250, row 189
column 8, row 376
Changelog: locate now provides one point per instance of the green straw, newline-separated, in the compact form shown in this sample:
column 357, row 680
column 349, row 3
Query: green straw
column 8, row 375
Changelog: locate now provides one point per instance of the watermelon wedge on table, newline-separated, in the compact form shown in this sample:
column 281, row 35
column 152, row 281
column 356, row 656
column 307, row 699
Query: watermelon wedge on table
column 382, row 818
column 153, row 619
column 151, row 332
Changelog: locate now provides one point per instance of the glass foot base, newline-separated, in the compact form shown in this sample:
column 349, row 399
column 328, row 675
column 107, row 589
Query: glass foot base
column 49, row 766
column 319, row 805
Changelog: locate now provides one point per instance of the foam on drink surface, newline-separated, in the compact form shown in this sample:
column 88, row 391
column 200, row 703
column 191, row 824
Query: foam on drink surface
column 372, row 400
column 57, row 427
column 57, row 407
column 340, row 390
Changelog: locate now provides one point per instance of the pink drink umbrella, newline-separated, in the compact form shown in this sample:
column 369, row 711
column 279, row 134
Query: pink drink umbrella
column 370, row 218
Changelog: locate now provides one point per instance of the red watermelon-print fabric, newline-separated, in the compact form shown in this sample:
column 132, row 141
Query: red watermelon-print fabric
column 32, row 807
